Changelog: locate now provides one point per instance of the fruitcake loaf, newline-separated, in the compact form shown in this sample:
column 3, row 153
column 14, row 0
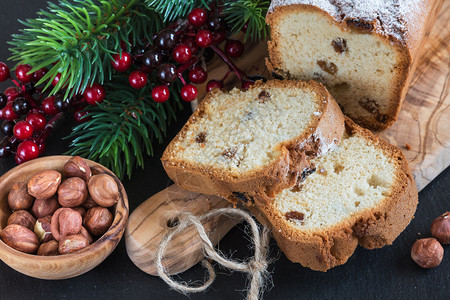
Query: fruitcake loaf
column 362, row 192
column 241, row 143
column 362, row 51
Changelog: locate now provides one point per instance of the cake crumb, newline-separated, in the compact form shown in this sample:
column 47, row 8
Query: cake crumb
column 408, row 146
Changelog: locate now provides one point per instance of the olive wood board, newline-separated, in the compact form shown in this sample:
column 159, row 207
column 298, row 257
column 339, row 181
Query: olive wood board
column 422, row 132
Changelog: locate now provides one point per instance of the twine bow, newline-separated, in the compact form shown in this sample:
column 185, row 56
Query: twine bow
column 256, row 267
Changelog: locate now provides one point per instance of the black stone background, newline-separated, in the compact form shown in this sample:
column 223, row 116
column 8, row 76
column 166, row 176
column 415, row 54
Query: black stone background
column 385, row 273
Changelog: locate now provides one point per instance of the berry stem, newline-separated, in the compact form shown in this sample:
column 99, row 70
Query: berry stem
column 29, row 97
column 226, row 74
column 187, row 65
column 241, row 75
column 48, row 128
column 181, row 78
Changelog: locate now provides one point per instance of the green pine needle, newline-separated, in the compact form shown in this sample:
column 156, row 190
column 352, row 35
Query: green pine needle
column 78, row 38
column 124, row 127
column 253, row 13
column 170, row 10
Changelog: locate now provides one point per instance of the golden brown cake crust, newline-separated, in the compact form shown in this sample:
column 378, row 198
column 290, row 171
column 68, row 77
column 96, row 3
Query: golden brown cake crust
column 324, row 131
column 323, row 249
column 406, row 33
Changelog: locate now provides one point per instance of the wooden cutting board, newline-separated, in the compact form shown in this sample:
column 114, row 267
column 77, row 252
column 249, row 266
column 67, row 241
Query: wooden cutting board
column 422, row 130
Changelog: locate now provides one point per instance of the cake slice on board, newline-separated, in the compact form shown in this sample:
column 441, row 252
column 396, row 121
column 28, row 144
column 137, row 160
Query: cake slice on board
column 362, row 192
column 240, row 144
column 364, row 52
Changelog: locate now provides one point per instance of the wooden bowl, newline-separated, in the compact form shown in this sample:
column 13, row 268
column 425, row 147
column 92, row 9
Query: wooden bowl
column 67, row 265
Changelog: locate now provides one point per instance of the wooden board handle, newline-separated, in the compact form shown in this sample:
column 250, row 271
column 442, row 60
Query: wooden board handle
column 153, row 219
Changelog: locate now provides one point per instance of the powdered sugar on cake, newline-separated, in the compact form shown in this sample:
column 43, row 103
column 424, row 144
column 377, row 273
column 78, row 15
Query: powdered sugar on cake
column 390, row 17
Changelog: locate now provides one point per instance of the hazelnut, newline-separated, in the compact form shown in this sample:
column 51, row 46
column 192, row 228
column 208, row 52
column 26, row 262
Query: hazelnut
column 427, row 253
column 18, row 197
column 45, row 207
column 49, row 249
column 86, row 234
column 22, row 218
column 81, row 210
column 104, row 190
column 72, row 192
column 89, row 203
column 20, row 238
column 440, row 228
column 44, row 184
column 72, row 243
column 98, row 220
column 65, row 221
column 43, row 230
column 77, row 167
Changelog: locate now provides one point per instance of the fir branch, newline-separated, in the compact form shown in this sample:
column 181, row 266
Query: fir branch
column 248, row 12
column 78, row 38
column 124, row 126
column 170, row 10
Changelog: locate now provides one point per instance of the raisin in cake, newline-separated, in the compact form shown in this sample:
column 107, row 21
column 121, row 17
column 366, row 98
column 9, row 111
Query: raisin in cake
column 362, row 192
column 363, row 51
column 241, row 143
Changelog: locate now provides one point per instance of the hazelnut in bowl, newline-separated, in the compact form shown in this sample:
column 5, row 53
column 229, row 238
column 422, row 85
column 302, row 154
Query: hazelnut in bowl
column 60, row 216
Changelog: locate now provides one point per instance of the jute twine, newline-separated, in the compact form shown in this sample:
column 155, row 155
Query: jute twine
column 255, row 267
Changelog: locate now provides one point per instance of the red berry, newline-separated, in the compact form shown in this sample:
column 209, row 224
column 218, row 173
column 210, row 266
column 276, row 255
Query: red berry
column 189, row 93
column 122, row 62
column 197, row 17
column 27, row 150
column 39, row 74
column 219, row 37
column 12, row 90
column 8, row 112
column 244, row 28
column 94, row 94
column 204, row 38
column 190, row 42
column 12, row 97
column 36, row 120
column 56, row 79
column 48, row 106
column 246, row 84
column 81, row 116
column 214, row 84
column 137, row 79
column 234, row 48
column 23, row 130
column 197, row 75
column 182, row 54
column 160, row 93
column 41, row 148
column 18, row 160
column 22, row 73
column 4, row 72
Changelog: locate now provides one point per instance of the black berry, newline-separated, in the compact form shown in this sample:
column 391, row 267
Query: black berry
column 5, row 148
column 3, row 100
column 21, row 106
column 166, row 39
column 215, row 23
column 62, row 104
column 7, row 127
column 151, row 59
column 167, row 73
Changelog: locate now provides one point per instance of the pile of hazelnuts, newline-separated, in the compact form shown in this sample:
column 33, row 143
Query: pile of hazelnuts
column 428, row 252
column 56, row 213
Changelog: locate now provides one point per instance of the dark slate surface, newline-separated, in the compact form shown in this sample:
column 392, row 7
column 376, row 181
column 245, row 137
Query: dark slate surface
column 384, row 273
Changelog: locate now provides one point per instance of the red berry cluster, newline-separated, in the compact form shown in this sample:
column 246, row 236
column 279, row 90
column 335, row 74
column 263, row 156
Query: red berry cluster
column 177, row 49
column 29, row 116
